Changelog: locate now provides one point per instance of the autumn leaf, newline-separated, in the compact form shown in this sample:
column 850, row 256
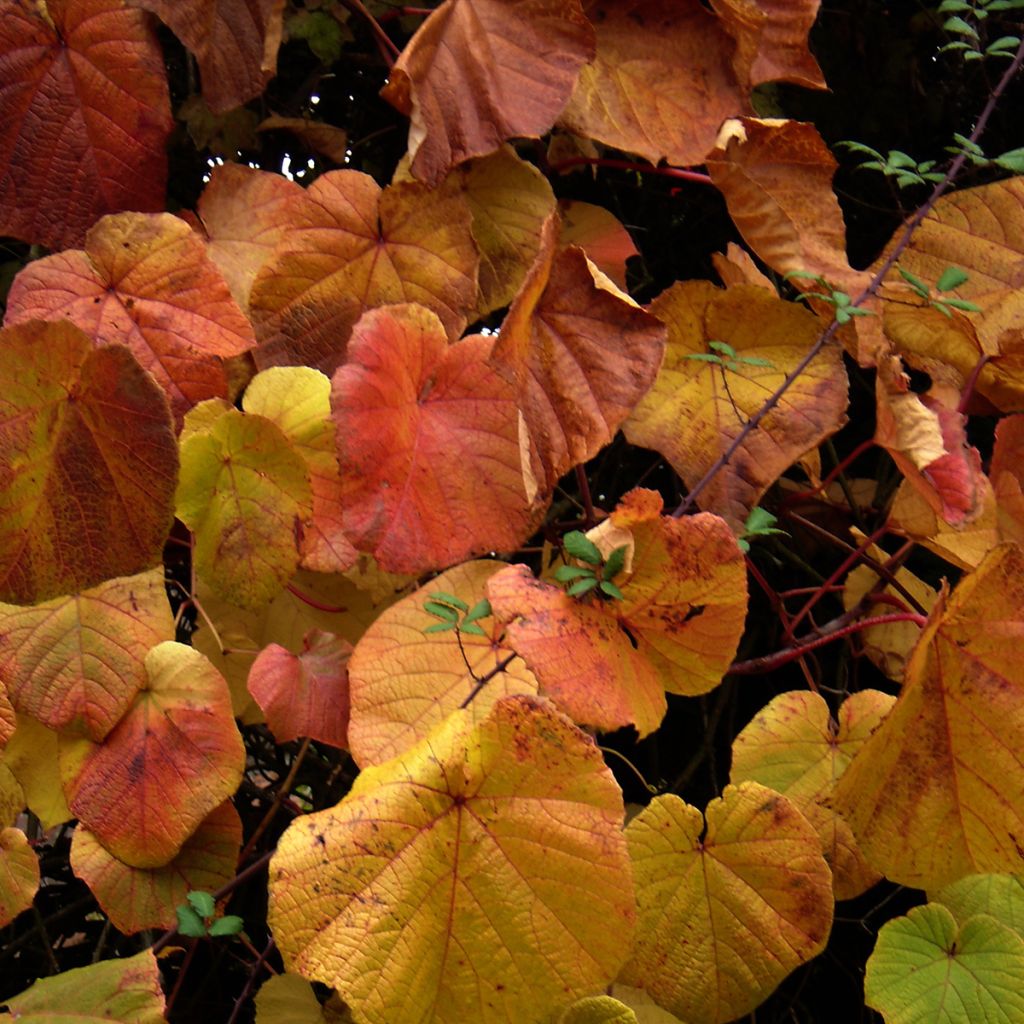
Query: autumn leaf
column 352, row 247
column 428, row 441
column 234, row 42
column 31, row 757
column 698, row 405
column 126, row 990
column 600, row 235
column 793, row 746
column 595, row 1010
column 244, row 491
column 729, row 902
column 76, row 662
column 19, row 874
column 305, row 694
column 998, row 896
column 289, row 999
column 405, row 680
column 947, row 759
column 581, row 354
column 84, row 117
column 87, row 463
column 661, row 102
column 138, row 898
column 1007, row 479
column 174, row 756
column 479, row 72
column 453, row 874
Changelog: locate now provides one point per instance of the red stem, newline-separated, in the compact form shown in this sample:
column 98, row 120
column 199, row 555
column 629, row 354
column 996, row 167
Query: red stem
column 971, row 382
column 629, row 165
column 313, row 602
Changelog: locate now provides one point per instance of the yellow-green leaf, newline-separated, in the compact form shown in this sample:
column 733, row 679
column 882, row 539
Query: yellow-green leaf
column 19, row 874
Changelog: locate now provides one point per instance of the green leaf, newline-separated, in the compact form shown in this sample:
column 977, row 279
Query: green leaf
column 790, row 274
column 203, row 903
column 704, row 357
column 968, row 307
column 615, row 563
column 960, row 27
column 473, row 628
column 449, row 599
column 440, row 627
column 580, row 547
column 611, row 590
column 758, row 520
column 190, row 923
column 581, row 587
column 230, row 924
column 481, row 610
column 722, row 348
column 952, row 277
column 915, row 282
column 968, row 145
column 755, row 361
column 441, row 611
column 953, row 6
column 859, row 147
column 1012, row 160
column 565, row 573
column 900, row 159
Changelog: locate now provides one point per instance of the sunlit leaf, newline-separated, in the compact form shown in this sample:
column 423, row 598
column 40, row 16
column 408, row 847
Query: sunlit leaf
column 926, row 970
column 947, row 760
column 794, row 747
column 289, row 999
column 999, row 896
column 405, row 681
column 600, row 235
column 19, row 874
column 76, row 662
column 595, row 1010
column 305, row 694
column 244, row 491
column 69, row 151
column 428, row 439
column 138, row 898
column 174, row 756
column 479, row 72
column 482, row 874
column 125, row 991
column 696, row 409
column 728, row 902
column 87, row 463
column 31, row 756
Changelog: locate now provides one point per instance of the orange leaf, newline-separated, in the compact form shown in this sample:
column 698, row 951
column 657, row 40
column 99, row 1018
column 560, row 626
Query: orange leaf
column 145, row 281
column 234, row 42
column 1007, row 477
column 793, row 746
column 305, row 694
column 353, row 247
column 583, row 659
column 662, row 81
column 75, row 663
column 428, row 441
column 949, row 758
column 138, row 898
column 244, row 213
column 84, row 117
column 174, row 756
column 404, row 680
column 728, row 902
column 600, row 235
column 19, row 874
column 453, row 874
column 697, row 408
column 87, row 463
column 581, row 354
column 479, row 72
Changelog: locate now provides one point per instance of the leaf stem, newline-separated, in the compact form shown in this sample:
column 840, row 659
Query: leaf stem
column 487, row 677
column 280, row 793
column 629, row 165
column 320, row 606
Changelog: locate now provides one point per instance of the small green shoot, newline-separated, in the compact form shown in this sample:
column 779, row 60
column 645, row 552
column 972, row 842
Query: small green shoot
column 196, row 918
column 454, row 613
column 897, row 165
column 724, row 355
column 843, row 305
column 760, row 523
column 969, row 43
column 597, row 574
column 949, row 280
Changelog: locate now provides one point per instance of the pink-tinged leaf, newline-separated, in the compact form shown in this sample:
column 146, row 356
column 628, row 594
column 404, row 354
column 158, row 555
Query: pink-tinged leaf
column 174, row 756
column 84, row 117
column 600, row 235
column 243, row 214
column 145, row 281
column 88, row 463
column 19, row 874
column 351, row 247
column 138, row 898
column 428, row 441
column 75, row 663
column 479, row 72
column 234, row 42
column 305, row 694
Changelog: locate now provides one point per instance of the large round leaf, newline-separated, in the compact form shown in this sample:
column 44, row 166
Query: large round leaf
column 482, row 875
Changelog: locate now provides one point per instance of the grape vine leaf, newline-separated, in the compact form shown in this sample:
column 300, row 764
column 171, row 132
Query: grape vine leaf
column 19, row 874
column 998, row 896
column 31, row 756
column 600, row 235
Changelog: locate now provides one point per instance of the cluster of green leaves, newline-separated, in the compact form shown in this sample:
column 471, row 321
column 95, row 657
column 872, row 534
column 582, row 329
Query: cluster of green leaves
column 455, row 613
column 965, row 19
column 198, row 919
column 840, row 301
column 597, row 575
column 949, row 280
column 723, row 354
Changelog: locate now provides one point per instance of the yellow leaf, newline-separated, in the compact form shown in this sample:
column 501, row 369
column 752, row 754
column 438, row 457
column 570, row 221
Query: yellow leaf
column 19, row 874
column 31, row 755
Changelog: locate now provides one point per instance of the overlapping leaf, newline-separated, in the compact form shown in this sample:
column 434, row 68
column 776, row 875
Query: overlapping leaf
column 793, row 746
column 84, row 117
column 663, row 101
column 138, row 898
column 479, row 72
column 174, row 756
column 728, row 902
column 31, row 757
column 353, row 247
column 289, row 999
column 999, row 896
column 234, row 42
column 947, row 761
column 405, row 680
column 19, row 874
column 581, row 354
column 244, row 491
column 76, row 662
column 453, row 876
column 145, row 281
column 428, row 438
column 702, row 399
column 600, row 235
column 87, row 463
column 305, row 694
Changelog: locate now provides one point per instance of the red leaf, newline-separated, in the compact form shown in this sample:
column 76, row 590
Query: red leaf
column 84, row 117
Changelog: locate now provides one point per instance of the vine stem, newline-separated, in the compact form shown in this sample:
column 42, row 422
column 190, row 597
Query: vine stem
column 388, row 50
column 629, row 165
column 487, row 677
column 313, row 602
column 250, row 982
column 869, row 290
column 279, row 797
